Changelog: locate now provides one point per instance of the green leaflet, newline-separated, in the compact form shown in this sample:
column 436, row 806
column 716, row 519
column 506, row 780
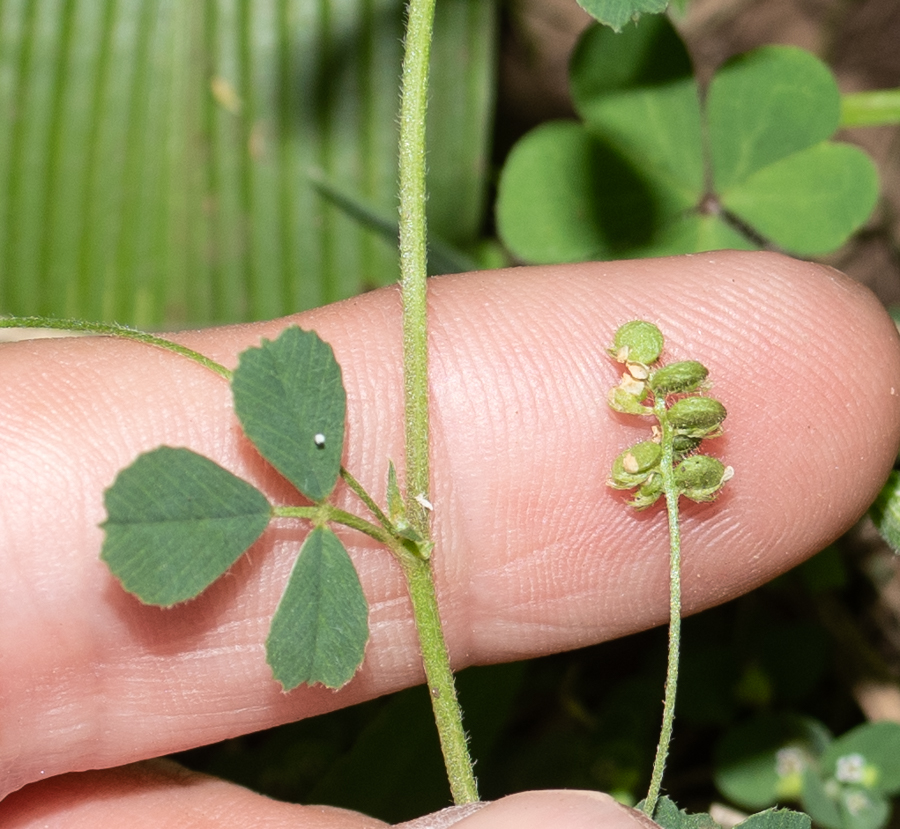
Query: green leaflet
column 616, row 13
column 764, row 106
column 776, row 819
column 320, row 629
column 290, row 399
column 176, row 522
column 636, row 178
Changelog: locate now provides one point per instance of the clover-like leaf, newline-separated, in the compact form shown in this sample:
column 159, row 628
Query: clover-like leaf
column 764, row 106
column 637, row 93
column 832, row 186
column 760, row 761
column 176, row 521
column 290, row 399
column 320, row 629
column 635, row 178
column 616, row 13
column 877, row 745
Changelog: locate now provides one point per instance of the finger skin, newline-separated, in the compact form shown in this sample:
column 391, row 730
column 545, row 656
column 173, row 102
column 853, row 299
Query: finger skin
column 157, row 794
column 535, row 554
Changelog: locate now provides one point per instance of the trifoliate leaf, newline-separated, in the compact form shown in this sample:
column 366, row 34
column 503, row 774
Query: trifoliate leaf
column 616, row 13
column 290, row 399
column 320, row 629
column 635, row 178
column 176, row 522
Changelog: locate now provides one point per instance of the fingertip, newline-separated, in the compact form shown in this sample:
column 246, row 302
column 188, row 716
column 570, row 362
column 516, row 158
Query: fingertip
column 561, row 809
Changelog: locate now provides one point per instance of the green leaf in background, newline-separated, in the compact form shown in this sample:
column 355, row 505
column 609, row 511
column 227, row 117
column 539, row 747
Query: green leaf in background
column 320, row 629
column 634, row 179
column 832, row 188
column 834, row 805
column 176, row 522
column 556, row 204
column 290, row 399
column 776, row 819
column 885, row 512
column 875, row 743
column 765, row 105
column 616, row 13
column 154, row 154
column 637, row 92
column 762, row 761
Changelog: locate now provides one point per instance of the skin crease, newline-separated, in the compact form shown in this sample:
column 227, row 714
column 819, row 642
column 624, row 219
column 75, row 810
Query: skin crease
column 535, row 554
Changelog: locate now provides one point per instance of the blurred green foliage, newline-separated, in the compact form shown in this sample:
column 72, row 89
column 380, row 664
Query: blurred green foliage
column 155, row 155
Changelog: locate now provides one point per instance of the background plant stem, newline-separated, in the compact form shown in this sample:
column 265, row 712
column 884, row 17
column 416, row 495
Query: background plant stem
column 671, row 492
column 112, row 329
column 413, row 273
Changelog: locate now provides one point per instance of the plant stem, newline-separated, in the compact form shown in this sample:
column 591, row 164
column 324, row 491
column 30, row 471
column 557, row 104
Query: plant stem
column 447, row 713
column 671, row 492
column 413, row 274
column 870, row 109
column 104, row 329
column 357, row 488
column 413, row 256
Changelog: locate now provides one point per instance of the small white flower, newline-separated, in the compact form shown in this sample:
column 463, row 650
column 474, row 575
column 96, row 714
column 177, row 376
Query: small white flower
column 850, row 768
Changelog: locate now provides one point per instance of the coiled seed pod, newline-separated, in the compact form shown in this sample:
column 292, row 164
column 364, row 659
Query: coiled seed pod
column 697, row 417
column 700, row 477
column 678, row 378
column 634, row 465
column 637, row 342
column 627, row 403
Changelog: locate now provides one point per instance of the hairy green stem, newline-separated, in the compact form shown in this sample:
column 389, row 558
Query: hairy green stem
column 413, row 254
column 320, row 513
column 113, row 329
column 367, row 499
column 413, row 273
column 441, row 687
column 670, row 489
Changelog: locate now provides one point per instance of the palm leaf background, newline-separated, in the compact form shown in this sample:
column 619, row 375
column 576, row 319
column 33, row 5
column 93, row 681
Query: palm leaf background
column 156, row 155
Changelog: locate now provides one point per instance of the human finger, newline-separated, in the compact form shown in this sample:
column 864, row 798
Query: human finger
column 534, row 553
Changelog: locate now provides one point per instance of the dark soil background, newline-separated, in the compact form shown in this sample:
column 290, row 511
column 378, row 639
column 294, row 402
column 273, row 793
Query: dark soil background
column 823, row 640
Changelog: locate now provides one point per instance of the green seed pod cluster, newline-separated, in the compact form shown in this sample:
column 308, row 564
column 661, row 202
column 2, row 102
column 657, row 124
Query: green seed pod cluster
column 637, row 342
column 685, row 419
